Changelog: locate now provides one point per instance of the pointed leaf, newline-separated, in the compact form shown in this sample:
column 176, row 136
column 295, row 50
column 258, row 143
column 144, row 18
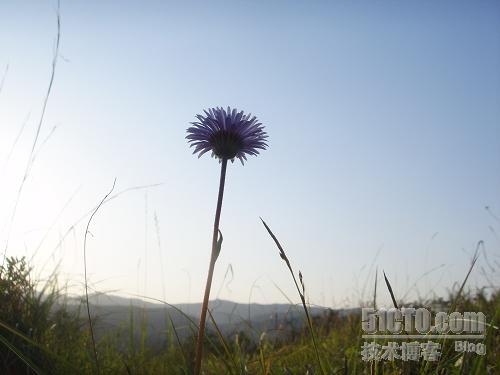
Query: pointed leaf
column 219, row 245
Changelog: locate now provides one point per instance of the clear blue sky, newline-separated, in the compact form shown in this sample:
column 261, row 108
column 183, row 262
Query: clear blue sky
column 384, row 125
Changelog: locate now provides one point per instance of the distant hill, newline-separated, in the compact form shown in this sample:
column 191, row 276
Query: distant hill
column 115, row 314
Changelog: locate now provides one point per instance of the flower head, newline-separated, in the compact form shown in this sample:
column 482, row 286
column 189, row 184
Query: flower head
column 228, row 134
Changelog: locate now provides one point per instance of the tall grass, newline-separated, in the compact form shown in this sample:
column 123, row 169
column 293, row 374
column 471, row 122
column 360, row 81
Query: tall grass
column 41, row 333
column 301, row 294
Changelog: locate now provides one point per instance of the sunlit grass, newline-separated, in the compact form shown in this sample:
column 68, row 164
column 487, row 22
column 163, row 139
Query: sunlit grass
column 40, row 334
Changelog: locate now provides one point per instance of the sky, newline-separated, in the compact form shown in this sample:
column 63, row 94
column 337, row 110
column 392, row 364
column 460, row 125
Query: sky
column 384, row 145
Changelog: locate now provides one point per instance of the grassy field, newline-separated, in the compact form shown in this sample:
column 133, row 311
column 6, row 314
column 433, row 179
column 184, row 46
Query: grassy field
column 40, row 334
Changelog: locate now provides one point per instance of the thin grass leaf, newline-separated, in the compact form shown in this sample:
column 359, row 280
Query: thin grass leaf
column 223, row 342
column 21, row 355
column 34, row 343
column 176, row 334
column 94, row 346
column 301, row 294
column 454, row 304
column 390, row 291
column 475, row 257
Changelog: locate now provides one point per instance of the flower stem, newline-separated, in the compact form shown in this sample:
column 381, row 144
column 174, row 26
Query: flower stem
column 213, row 258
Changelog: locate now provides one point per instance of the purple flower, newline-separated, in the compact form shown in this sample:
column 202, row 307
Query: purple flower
column 228, row 134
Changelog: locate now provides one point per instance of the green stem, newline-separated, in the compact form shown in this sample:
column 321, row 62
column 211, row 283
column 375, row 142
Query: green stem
column 213, row 258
